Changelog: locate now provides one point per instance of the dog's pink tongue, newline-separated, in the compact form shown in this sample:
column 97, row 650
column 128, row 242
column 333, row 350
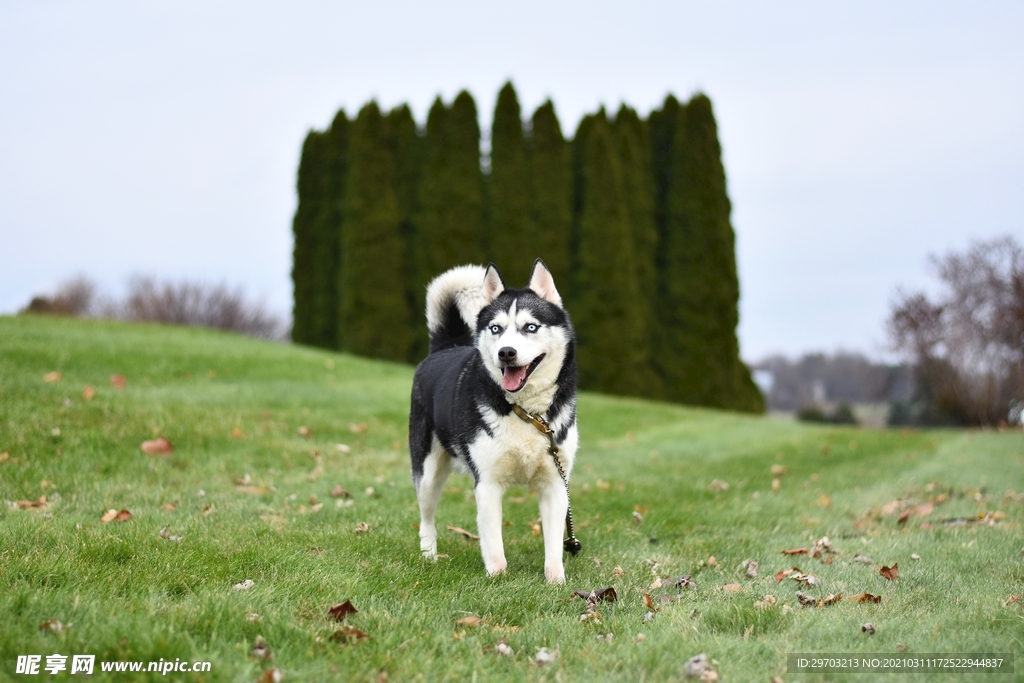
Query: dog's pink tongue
column 513, row 377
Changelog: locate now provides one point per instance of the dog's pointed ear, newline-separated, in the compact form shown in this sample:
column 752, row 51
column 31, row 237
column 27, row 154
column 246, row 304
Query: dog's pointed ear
column 543, row 284
column 493, row 284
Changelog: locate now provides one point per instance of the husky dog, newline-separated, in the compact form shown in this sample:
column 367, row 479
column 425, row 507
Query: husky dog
column 492, row 347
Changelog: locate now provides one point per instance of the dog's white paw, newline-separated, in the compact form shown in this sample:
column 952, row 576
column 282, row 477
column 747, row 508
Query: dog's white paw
column 555, row 575
column 496, row 567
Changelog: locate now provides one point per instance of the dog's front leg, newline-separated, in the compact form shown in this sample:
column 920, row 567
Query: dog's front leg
column 554, row 501
column 488, row 520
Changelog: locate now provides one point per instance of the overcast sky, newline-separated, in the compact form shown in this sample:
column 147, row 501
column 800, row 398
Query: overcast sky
column 163, row 137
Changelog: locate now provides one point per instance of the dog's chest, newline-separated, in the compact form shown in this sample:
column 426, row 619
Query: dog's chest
column 515, row 453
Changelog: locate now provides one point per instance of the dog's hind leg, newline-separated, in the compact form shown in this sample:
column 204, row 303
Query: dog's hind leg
column 429, row 487
column 554, row 501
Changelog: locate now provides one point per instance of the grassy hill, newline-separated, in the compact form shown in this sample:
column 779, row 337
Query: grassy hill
column 256, row 429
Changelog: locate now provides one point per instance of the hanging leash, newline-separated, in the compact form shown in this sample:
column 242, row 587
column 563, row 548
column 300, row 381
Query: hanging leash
column 571, row 544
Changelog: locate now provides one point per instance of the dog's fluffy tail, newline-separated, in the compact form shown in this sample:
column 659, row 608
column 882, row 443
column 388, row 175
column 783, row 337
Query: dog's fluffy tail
column 454, row 299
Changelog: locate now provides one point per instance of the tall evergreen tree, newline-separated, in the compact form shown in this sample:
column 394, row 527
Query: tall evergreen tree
column 550, row 163
column 607, row 320
column 375, row 314
column 700, row 354
column 317, row 227
column 309, row 187
column 511, row 235
column 451, row 218
column 633, row 148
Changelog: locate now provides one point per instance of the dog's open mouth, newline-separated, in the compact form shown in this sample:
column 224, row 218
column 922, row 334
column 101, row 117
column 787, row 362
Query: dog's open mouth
column 514, row 378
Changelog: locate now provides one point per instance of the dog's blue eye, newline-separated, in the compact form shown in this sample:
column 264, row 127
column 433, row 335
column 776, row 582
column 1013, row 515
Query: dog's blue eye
column 495, row 329
column 532, row 328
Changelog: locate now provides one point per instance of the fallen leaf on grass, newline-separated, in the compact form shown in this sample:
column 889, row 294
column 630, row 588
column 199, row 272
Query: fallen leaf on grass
column 922, row 510
column 710, row 676
column 245, row 585
column 806, row 600
column 1012, row 599
column 666, row 599
column 362, row 528
column 617, row 571
column 165, row 533
column 892, row 573
column 260, row 650
column 236, row 433
column 347, row 634
column 342, row 610
column 599, row 595
column 360, row 428
column 831, row 599
column 778, row 470
column 750, row 568
column 52, row 377
column 863, row 559
column 468, row 534
column 115, row 516
column 780, row 575
column 340, row 492
column 271, row 676
column 157, row 446
column 796, row 551
column 471, row 620
column 867, row 597
column 117, row 381
column 53, row 626
column 37, row 504
column 806, row 579
column 257, row 490
column 88, row 393
column 776, row 485
column 766, row 602
column 732, row 588
column 536, row 529
column 695, row 666
column 718, row 485
column 208, row 509
column 303, row 431
column 868, row 628
column 637, row 517
column 544, row 656
column 683, row 581
column 648, row 602
column 820, row 547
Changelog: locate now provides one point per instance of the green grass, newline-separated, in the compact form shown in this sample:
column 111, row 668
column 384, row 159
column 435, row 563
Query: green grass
column 131, row 595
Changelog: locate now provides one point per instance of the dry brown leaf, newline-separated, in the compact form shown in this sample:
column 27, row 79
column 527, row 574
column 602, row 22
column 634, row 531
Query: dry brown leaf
column 471, row 620
column 342, row 610
column 340, row 492
column 53, row 626
column 4, row 457
column 362, row 528
column 1012, row 599
column 165, row 533
column 117, row 381
column 750, row 568
column 157, row 446
column 468, row 534
column 37, row 504
column 806, row 600
column 360, row 428
column 208, row 509
column 831, row 599
column 922, row 510
column 258, row 490
column 236, row 432
column 821, row 546
column 617, row 571
column 600, row 595
column 892, row 573
column 776, row 485
column 806, row 579
column 796, row 551
column 260, row 649
column 271, row 676
column 778, row 470
column 648, row 602
column 732, row 588
column 718, row 485
column 108, row 516
column 637, row 517
column 642, row 509
column 780, row 575
column 766, row 602
column 683, row 581
column 348, row 634
column 88, row 393
column 52, row 377
column 867, row 597
column 536, row 529
column 303, row 431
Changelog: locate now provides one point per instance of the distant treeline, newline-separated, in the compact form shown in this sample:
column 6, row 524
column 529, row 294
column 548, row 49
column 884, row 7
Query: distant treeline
column 631, row 216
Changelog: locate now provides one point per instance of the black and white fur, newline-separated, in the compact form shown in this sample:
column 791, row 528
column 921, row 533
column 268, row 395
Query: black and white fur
column 491, row 347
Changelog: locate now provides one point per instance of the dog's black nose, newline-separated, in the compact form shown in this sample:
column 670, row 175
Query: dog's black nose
column 506, row 354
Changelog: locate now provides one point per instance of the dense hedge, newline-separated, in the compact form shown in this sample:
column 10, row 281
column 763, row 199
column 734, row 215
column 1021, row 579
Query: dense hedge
column 632, row 217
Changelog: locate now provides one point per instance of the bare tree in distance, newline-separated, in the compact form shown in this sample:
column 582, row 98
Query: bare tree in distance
column 182, row 303
column 968, row 344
